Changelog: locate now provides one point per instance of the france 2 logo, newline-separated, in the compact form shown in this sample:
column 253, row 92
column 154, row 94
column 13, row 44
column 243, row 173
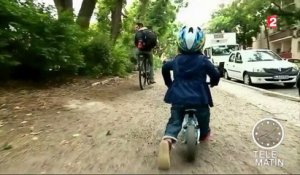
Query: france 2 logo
column 272, row 21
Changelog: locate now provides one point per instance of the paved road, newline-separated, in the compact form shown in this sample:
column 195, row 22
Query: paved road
column 281, row 89
column 277, row 88
column 278, row 107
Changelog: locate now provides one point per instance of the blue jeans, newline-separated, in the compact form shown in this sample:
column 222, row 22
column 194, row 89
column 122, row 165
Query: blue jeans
column 174, row 124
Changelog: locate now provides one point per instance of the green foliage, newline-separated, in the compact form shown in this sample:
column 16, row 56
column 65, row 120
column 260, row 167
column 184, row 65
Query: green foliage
column 160, row 15
column 289, row 16
column 31, row 38
column 103, row 58
column 103, row 15
column 242, row 17
column 157, row 62
column 35, row 44
column 121, row 64
column 246, row 17
column 97, row 55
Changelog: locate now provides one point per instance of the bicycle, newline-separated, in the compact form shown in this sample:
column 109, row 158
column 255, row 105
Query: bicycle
column 144, row 71
column 191, row 130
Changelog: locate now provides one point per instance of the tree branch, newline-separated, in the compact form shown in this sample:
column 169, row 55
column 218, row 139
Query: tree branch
column 277, row 5
column 125, row 16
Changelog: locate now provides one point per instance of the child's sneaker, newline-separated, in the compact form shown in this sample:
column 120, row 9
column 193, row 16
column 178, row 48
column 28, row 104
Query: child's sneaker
column 164, row 162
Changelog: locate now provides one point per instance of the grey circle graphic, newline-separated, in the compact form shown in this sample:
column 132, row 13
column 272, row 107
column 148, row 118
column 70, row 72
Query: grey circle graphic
column 268, row 133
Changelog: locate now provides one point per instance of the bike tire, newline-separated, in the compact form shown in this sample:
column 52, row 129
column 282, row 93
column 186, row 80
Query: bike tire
column 191, row 141
column 142, row 75
column 147, row 68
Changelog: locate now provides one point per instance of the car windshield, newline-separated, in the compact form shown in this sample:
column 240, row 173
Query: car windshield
column 223, row 50
column 261, row 56
column 295, row 61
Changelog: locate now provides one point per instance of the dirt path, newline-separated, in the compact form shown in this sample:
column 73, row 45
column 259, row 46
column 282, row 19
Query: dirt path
column 116, row 128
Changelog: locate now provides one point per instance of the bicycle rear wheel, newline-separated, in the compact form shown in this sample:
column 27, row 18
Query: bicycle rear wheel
column 147, row 68
column 191, row 141
column 142, row 74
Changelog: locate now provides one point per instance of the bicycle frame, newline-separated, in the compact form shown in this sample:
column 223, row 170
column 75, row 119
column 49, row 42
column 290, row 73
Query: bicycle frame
column 144, row 70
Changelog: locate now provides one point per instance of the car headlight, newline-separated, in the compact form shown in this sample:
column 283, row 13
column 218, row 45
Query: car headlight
column 258, row 70
column 295, row 68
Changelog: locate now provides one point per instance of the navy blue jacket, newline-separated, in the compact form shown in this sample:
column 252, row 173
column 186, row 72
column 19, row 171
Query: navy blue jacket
column 189, row 86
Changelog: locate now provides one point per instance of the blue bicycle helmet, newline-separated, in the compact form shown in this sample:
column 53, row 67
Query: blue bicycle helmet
column 191, row 39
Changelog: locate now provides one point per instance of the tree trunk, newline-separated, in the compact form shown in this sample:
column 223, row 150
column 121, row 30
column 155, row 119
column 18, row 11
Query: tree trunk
column 85, row 13
column 267, row 36
column 63, row 6
column 116, row 15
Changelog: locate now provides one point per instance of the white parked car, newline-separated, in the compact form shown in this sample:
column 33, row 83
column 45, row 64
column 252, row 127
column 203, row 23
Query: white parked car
column 260, row 66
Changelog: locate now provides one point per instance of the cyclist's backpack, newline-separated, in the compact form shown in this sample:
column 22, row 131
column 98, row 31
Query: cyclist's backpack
column 149, row 39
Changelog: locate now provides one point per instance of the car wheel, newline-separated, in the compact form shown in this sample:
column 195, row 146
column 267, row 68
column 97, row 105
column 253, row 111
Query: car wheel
column 247, row 79
column 226, row 76
column 289, row 85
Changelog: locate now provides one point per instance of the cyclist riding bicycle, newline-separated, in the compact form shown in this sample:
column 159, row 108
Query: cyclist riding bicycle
column 145, row 40
column 189, row 89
